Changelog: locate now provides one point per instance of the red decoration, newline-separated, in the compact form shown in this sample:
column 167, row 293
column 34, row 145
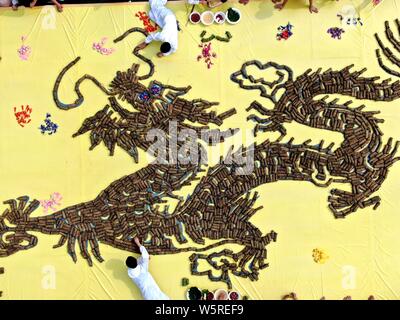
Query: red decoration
column 23, row 116
column 206, row 54
column 146, row 21
column 285, row 32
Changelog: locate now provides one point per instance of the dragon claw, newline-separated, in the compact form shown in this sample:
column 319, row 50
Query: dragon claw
column 18, row 211
column 85, row 235
column 61, row 242
column 343, row 203
column 23, row 198
column 12, row 203
column 15, row 238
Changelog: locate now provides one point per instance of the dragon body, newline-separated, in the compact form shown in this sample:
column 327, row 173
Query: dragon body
column 222, row 203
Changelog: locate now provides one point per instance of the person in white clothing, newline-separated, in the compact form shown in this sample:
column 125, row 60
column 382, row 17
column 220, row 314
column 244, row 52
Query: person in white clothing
column 166, row 20
column 138, row 271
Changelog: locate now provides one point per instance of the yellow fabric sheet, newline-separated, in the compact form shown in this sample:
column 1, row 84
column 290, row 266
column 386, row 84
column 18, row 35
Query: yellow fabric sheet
column 364, row 255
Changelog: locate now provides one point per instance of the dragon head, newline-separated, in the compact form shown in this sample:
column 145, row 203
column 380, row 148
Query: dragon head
column 126, row 86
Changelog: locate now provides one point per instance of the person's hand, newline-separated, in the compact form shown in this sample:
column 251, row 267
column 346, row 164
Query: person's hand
column 141, row 46
column 279, row 6
column 15, row 8
column 313, row 9
column 33, row 3
column 160, row 54
column 203, row 2
column 137, row 241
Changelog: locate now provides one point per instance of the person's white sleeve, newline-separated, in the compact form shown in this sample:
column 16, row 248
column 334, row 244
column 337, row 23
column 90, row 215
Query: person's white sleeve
column 145, row 257
column 153, row 37
column 193, row 1
column 14, row 2
column 133, row 273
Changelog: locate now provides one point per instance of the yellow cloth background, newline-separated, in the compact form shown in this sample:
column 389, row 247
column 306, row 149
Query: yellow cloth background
column 38, row 165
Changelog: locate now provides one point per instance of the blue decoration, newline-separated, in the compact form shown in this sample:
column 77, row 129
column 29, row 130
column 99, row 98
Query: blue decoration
column 155, row 89
column 336, row 33
column 49, row 126
column 144, row 96
column 285, row 32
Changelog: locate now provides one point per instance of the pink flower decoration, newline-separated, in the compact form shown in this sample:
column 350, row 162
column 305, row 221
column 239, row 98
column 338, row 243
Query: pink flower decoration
column 54, row 201
column 100, row 49
column 24, row 52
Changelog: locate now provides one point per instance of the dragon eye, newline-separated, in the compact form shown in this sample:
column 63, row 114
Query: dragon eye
column 155, row 89
column 144, row 96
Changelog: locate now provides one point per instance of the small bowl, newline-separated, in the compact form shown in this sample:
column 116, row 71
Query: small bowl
column 233, row 22
column 205, row 296
column 187, row 295
column 238, row 295
column 192, row 15
column 219, row 17
column 207, row 18
column 219, row 292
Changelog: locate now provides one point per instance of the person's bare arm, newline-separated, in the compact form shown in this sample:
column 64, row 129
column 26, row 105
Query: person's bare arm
column 142, row 46
column 137, row 241
column 312, row 8
column 143, row 251
column 58, row 5
column 281, row 5
column 151, row 37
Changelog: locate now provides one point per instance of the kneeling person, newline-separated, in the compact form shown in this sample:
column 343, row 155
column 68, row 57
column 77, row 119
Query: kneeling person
column 138, row 271
column 166, row 20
